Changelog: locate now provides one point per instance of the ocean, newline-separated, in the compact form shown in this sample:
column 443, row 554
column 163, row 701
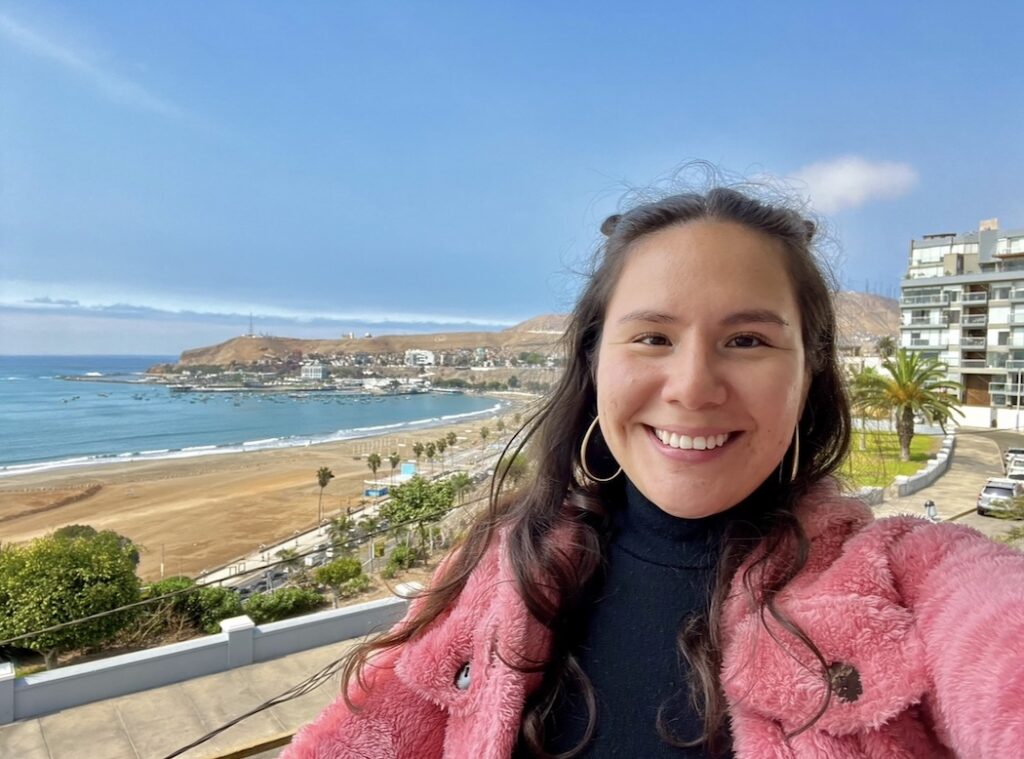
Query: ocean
column 48, row 422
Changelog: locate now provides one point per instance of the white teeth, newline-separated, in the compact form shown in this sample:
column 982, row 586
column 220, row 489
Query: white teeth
column 685, row 442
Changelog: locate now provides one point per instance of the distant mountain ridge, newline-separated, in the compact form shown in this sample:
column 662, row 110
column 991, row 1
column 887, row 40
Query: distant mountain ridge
column 863, row 319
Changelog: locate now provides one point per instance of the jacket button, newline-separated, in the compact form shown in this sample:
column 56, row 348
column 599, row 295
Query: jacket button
column 462, row 677
column 845, row 681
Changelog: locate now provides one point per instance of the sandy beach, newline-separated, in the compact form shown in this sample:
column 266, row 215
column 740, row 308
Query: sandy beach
column 200, row 513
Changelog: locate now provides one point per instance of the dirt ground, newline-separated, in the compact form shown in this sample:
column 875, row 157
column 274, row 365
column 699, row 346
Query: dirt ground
column 200, row 513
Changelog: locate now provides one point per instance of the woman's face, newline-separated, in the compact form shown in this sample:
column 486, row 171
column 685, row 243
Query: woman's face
column 701, row 376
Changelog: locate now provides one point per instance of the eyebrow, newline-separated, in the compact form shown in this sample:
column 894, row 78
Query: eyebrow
column 754, row 315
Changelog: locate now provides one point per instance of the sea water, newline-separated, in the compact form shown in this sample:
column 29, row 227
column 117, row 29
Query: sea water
column 116, row 414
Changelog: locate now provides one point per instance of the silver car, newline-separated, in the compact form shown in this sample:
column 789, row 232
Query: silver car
column 998, row 495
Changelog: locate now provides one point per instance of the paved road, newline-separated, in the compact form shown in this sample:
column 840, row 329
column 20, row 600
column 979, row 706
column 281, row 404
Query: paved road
column 978, row 456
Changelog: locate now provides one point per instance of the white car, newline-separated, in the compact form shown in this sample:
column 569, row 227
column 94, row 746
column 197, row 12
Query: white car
column 999, row 494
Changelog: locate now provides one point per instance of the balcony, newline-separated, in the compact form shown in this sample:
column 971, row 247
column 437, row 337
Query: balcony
column 974, row 298
column 927, row 323
column 922, row 343
column 927, row 300
column 1017, row 296
column 975, row 363
column 972, row 343
column 1008, row 388
column 974, row 320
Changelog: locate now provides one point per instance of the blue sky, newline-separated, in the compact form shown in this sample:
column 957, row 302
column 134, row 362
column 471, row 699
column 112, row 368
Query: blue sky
column 168, row 168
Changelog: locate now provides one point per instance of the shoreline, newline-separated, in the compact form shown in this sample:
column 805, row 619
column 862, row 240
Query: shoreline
column 194, row 513
column 8, row 471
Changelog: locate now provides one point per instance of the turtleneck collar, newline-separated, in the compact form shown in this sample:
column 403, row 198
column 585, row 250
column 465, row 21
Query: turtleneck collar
column 650, row 534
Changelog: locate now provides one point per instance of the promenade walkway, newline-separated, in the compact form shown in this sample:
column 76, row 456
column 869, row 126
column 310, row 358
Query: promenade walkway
column 152, row 724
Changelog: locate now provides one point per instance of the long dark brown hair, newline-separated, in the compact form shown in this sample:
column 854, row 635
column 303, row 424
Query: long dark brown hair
column 560, row 498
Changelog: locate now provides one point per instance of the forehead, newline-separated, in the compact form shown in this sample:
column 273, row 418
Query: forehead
column 705, row 264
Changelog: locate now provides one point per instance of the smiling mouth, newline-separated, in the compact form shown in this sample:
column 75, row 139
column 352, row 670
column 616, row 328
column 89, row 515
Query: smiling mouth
column 688, row 442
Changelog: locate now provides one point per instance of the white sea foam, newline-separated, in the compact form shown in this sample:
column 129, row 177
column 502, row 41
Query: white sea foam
column 242, row 447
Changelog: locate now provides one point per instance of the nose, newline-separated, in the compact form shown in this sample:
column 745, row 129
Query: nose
column 693, row 378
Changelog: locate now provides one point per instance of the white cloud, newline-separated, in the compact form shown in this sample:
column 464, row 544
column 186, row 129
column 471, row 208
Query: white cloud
column 80, row 297
column 113, row 86
column 852, row 181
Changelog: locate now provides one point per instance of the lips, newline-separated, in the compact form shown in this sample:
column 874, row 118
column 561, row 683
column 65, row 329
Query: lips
column 691, row 442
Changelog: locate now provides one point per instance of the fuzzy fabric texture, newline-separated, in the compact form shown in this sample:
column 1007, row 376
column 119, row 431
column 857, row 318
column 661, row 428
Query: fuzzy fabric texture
column 921, row 627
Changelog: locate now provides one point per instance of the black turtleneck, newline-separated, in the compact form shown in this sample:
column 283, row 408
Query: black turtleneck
column 659, row 571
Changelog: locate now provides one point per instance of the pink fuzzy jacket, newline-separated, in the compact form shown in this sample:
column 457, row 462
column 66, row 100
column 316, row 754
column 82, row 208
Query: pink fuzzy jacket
column 922, row 625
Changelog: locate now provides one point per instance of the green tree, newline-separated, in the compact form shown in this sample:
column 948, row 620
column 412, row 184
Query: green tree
column 289, row 558
column 886, row 346
column 418, row 500
column 323, row 476
column 514, row 470
column 452, row 439
column 338, row 574
column 442, row 446
column 500, row 425
column 53, row 580
column 912, row 384
column 373, row 461
column 72, row 531
column 418, row 449
column 484, row 433
column 460, row 482
column 394, row 459
column 431, row 451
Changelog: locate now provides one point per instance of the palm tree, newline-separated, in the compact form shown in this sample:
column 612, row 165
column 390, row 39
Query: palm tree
column 484, row 432
column 461, row 482
column 914, row 385
column 442, row 446
column 323, row 476
column 431, row 451
column 394, row 459
column 373, row 461
column 418, row 449
column 886, row 346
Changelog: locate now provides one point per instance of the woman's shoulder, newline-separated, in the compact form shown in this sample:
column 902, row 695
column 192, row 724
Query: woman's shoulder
column 845, row 534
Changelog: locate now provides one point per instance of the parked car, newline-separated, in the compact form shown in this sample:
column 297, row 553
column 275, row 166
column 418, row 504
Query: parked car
column 1010, row 453
column 998, row 494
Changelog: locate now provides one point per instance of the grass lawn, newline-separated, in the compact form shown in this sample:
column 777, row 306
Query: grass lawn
column 879, row 462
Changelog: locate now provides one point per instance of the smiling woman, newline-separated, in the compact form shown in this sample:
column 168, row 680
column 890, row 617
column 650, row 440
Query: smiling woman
column 682, row 577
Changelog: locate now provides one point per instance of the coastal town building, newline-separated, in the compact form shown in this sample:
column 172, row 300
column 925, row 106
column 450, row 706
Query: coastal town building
column 962, row 303
column 419, row 358
column 314, row 371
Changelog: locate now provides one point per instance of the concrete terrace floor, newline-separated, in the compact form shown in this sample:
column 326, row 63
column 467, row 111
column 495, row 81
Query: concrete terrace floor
column 154, row 723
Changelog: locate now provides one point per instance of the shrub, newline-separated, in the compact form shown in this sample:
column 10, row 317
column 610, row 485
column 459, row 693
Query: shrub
column 389, row 572
column 339, row 571
column 281, row 604
column 208, row 605
column 354, row 587
column 402, row 556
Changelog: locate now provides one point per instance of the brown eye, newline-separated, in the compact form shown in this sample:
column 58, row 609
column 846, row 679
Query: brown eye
column 652, row 339
column 747, row 341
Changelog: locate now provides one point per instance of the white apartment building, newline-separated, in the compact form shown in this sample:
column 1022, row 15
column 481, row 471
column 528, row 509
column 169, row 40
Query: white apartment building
column 419, row 358
column 314, row 371
column 962, row 303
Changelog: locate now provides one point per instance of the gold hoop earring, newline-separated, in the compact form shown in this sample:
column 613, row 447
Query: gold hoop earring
column 583, row 456
column 795, row 467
